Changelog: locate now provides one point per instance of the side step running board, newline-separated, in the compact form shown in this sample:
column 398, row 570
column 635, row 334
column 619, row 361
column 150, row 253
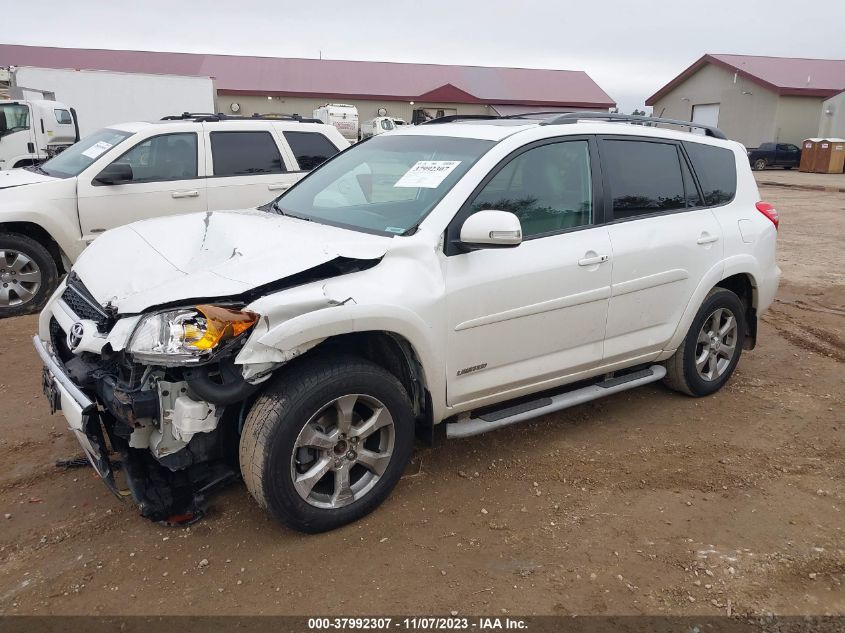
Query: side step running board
column 542, row 406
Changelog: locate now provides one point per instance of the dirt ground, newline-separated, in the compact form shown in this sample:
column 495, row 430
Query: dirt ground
column 647, row 502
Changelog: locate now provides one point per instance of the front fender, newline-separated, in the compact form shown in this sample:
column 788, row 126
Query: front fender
column 53, row 211
column 276, row 342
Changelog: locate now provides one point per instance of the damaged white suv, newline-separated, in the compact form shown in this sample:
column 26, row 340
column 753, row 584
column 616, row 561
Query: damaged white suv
column 453, row 277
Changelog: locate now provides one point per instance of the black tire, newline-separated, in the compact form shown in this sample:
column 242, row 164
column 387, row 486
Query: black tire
column 760, row 164
column 274, row 423
column 40, row 257
column 681, row 372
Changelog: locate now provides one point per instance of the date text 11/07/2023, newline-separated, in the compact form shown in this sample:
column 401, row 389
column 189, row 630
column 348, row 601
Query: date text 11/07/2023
column 419, row 623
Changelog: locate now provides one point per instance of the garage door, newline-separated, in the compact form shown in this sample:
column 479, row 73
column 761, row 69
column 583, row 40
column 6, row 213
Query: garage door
column 706, row 114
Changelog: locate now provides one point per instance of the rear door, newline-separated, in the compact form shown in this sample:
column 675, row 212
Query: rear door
column 167, row 179
column 248, row 166
column 664, row 240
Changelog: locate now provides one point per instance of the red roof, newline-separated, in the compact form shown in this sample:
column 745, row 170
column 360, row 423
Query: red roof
column 335, row 78
column 782, row 75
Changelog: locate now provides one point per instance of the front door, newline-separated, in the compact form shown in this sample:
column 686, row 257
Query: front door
column 524, row 316
column 165, row 181
column 664, row 243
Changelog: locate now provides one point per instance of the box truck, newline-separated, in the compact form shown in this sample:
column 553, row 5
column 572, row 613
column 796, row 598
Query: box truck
column 48, row 109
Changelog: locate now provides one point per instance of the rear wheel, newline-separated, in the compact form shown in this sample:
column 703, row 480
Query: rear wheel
column 760, row 164
column 28, row 275
column 711, row 349
column 327, row 442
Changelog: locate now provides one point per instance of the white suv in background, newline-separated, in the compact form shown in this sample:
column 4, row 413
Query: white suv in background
column 134, row 171
column 450, row 277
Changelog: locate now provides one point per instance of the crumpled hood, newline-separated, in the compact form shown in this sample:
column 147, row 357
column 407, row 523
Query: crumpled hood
column 208, row 255
column 18, row 177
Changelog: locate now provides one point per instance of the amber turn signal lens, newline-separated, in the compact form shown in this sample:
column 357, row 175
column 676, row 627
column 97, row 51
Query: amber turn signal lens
column 222, row 324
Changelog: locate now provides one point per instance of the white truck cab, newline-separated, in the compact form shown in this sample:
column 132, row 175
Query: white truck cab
column 32, row 131
column 342, row 116
column 453, row 277
column 376, row 126
column 50, row 213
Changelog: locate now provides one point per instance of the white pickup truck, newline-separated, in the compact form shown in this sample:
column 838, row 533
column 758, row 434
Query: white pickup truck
column 132, row 171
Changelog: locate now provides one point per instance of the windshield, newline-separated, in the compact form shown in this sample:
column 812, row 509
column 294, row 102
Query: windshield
column 78, row 156
column 16, row 118
column 387, row 184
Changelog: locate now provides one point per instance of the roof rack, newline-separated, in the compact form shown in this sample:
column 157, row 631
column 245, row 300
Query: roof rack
column 461, row 117
column 574, row 117
column 203, row 117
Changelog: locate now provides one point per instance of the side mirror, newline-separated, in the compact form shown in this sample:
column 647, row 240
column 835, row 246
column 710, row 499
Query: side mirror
column 491, row 229
column 114, row 174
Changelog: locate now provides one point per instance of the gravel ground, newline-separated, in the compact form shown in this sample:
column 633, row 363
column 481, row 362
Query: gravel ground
column 646, row 502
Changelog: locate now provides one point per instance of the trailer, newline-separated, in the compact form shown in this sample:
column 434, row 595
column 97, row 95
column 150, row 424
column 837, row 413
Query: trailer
column 48, row 109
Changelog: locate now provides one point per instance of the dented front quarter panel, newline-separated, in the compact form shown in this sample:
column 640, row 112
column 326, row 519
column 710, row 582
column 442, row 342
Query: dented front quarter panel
column 403, row 294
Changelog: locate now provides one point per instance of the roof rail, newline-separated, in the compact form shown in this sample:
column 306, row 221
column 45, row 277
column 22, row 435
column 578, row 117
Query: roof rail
column 461, row 117
column 201, row 117
column 574, row 117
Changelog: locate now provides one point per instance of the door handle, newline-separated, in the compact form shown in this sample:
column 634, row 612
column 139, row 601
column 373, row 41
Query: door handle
column 278, row 187
column 193, row 193
column 706, row 238
column 592, row 261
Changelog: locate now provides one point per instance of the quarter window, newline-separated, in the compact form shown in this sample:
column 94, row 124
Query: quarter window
column 716, row 171
column 549, row 188
column 63, row 117
column 310, row 148
column 164, row 157
column 645, row 177
column 245, row 154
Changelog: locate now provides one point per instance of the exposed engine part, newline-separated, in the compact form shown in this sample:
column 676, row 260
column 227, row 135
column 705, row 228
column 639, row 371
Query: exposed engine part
column 190, row 417
column 218, row 383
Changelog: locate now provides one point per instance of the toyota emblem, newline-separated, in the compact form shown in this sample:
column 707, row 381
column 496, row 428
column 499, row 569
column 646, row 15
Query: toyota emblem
column 74, row 337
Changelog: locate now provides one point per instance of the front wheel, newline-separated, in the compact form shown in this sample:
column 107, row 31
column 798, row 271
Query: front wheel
column 28, row 275
column 711, row 349
column 327, row 442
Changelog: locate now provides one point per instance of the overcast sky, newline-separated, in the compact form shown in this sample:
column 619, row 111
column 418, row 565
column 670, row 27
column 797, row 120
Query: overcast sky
column 629, row 48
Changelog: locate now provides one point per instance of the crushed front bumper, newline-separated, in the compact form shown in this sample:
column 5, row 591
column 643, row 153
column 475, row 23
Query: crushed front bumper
column 79, row 410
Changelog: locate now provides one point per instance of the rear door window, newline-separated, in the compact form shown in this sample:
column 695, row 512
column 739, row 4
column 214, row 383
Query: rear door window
column 310, row 148
column 716, row 171
column 645, row 177
column 245, row 154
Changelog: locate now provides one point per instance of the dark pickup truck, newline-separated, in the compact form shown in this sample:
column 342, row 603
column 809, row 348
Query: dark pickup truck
column 774, row 155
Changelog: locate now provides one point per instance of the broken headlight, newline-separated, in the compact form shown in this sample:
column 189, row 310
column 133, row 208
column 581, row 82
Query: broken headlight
column 187, row 335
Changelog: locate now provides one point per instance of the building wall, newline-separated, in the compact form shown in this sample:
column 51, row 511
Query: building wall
column 748, row 112
column 833, row 125
column 797, row 118
column 367, row 109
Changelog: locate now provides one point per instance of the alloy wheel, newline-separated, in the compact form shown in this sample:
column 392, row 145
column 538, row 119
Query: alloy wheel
column 716, row 344
column 20, row 278
column 343, row 451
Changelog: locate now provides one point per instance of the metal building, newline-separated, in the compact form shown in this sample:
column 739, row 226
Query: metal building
column 248, row 85
column 753, row 99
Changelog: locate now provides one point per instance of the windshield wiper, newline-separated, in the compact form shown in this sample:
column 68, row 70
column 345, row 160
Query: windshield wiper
column 277, row 209
column 37, row 169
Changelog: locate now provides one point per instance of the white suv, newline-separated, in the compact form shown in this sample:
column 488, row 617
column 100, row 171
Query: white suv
column 134, row 171
column 447, row 278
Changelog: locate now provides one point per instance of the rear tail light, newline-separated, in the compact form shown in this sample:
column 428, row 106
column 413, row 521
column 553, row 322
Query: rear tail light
column 770, row 212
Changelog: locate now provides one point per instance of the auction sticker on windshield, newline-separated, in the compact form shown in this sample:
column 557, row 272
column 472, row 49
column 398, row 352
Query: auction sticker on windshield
column 96, row 149
column 427, row 173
